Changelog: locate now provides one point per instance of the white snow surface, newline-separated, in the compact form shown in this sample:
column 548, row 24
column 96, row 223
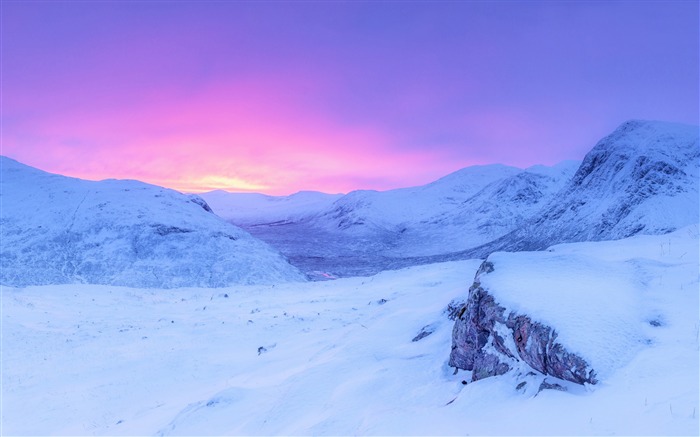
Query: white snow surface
column 336, row 357
column 57, row 229
column 256, row 208
column 643, row 178
column 567, row 292
column 367, row 231
column 382, row 209
column 367, row 210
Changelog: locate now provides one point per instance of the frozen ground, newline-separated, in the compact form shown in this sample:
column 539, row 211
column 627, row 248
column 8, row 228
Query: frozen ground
column 337, row 357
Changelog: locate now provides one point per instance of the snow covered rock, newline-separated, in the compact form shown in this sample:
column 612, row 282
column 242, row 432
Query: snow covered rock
column 579, row 312
column 577, row 317
column 487, row 342
column 58, row 230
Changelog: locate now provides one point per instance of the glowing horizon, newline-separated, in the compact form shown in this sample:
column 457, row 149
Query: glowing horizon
column 284, row 97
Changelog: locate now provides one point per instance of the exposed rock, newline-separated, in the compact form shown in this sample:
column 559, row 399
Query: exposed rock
column 201, row 202
column 550, row 386
column 453, row 308
column 488, row 342
column 424, row 332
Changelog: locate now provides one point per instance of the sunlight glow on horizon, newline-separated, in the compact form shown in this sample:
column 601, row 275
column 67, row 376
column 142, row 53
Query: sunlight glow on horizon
column 284, row 97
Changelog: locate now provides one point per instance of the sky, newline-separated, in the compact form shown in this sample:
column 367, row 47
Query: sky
column 282, row 96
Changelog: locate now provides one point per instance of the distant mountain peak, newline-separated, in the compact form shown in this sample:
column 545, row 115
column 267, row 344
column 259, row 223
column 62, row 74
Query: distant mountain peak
column 642, row 178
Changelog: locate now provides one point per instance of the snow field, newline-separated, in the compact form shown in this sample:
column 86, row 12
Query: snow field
column 118, row 361
column 338, row 358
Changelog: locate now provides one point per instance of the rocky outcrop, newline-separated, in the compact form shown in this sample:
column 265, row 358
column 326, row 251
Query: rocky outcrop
column 489, row 342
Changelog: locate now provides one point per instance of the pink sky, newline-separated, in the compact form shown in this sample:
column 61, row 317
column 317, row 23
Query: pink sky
column 281, row 97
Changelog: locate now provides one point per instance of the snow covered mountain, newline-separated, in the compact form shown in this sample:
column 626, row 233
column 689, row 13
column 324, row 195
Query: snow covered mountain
column 492, row 212
column 365, row 211
column 642, row 178
column 58, row 230
column 365, row 231
column 256, row 208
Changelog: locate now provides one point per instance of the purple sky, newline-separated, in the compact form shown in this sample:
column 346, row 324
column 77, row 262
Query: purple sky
column 332, row 96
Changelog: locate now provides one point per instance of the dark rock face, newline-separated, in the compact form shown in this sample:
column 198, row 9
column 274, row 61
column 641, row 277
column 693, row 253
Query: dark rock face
column 201, row 202
column 488, row 342
column 424, row 332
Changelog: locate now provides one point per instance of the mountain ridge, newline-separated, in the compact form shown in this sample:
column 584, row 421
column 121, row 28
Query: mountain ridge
column 629, row 183
column 58, row 230
column 642, row 178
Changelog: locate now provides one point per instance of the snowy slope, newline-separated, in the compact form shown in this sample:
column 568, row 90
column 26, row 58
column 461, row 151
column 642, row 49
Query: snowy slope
column 642, row 178
column 492, row 212
column 362, row 211
column 255, row 208
column 337, row 357
column 365, row 212
column 365, row 232
column 58, row 230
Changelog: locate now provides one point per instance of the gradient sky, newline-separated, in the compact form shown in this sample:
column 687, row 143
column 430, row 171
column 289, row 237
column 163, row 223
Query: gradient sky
column 278, row 97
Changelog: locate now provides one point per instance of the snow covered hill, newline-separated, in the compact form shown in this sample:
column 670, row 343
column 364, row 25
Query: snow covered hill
column 58, row 230
column 366, row 212
column 642, row 178
column 255, row 209
column 361, row 356
column 365, row 232
column 492, row 212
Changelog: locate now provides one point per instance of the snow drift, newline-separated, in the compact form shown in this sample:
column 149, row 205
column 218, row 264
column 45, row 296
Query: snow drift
column 576, row 312
column 59, row 230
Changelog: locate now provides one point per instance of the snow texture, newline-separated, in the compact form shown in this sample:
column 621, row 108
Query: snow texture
column 60, row 230
column 339, row 357
column 567, row 292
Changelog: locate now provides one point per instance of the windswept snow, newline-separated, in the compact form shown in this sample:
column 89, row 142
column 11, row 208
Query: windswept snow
column 600, row 308
column 58, row 230
column 337, row 357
